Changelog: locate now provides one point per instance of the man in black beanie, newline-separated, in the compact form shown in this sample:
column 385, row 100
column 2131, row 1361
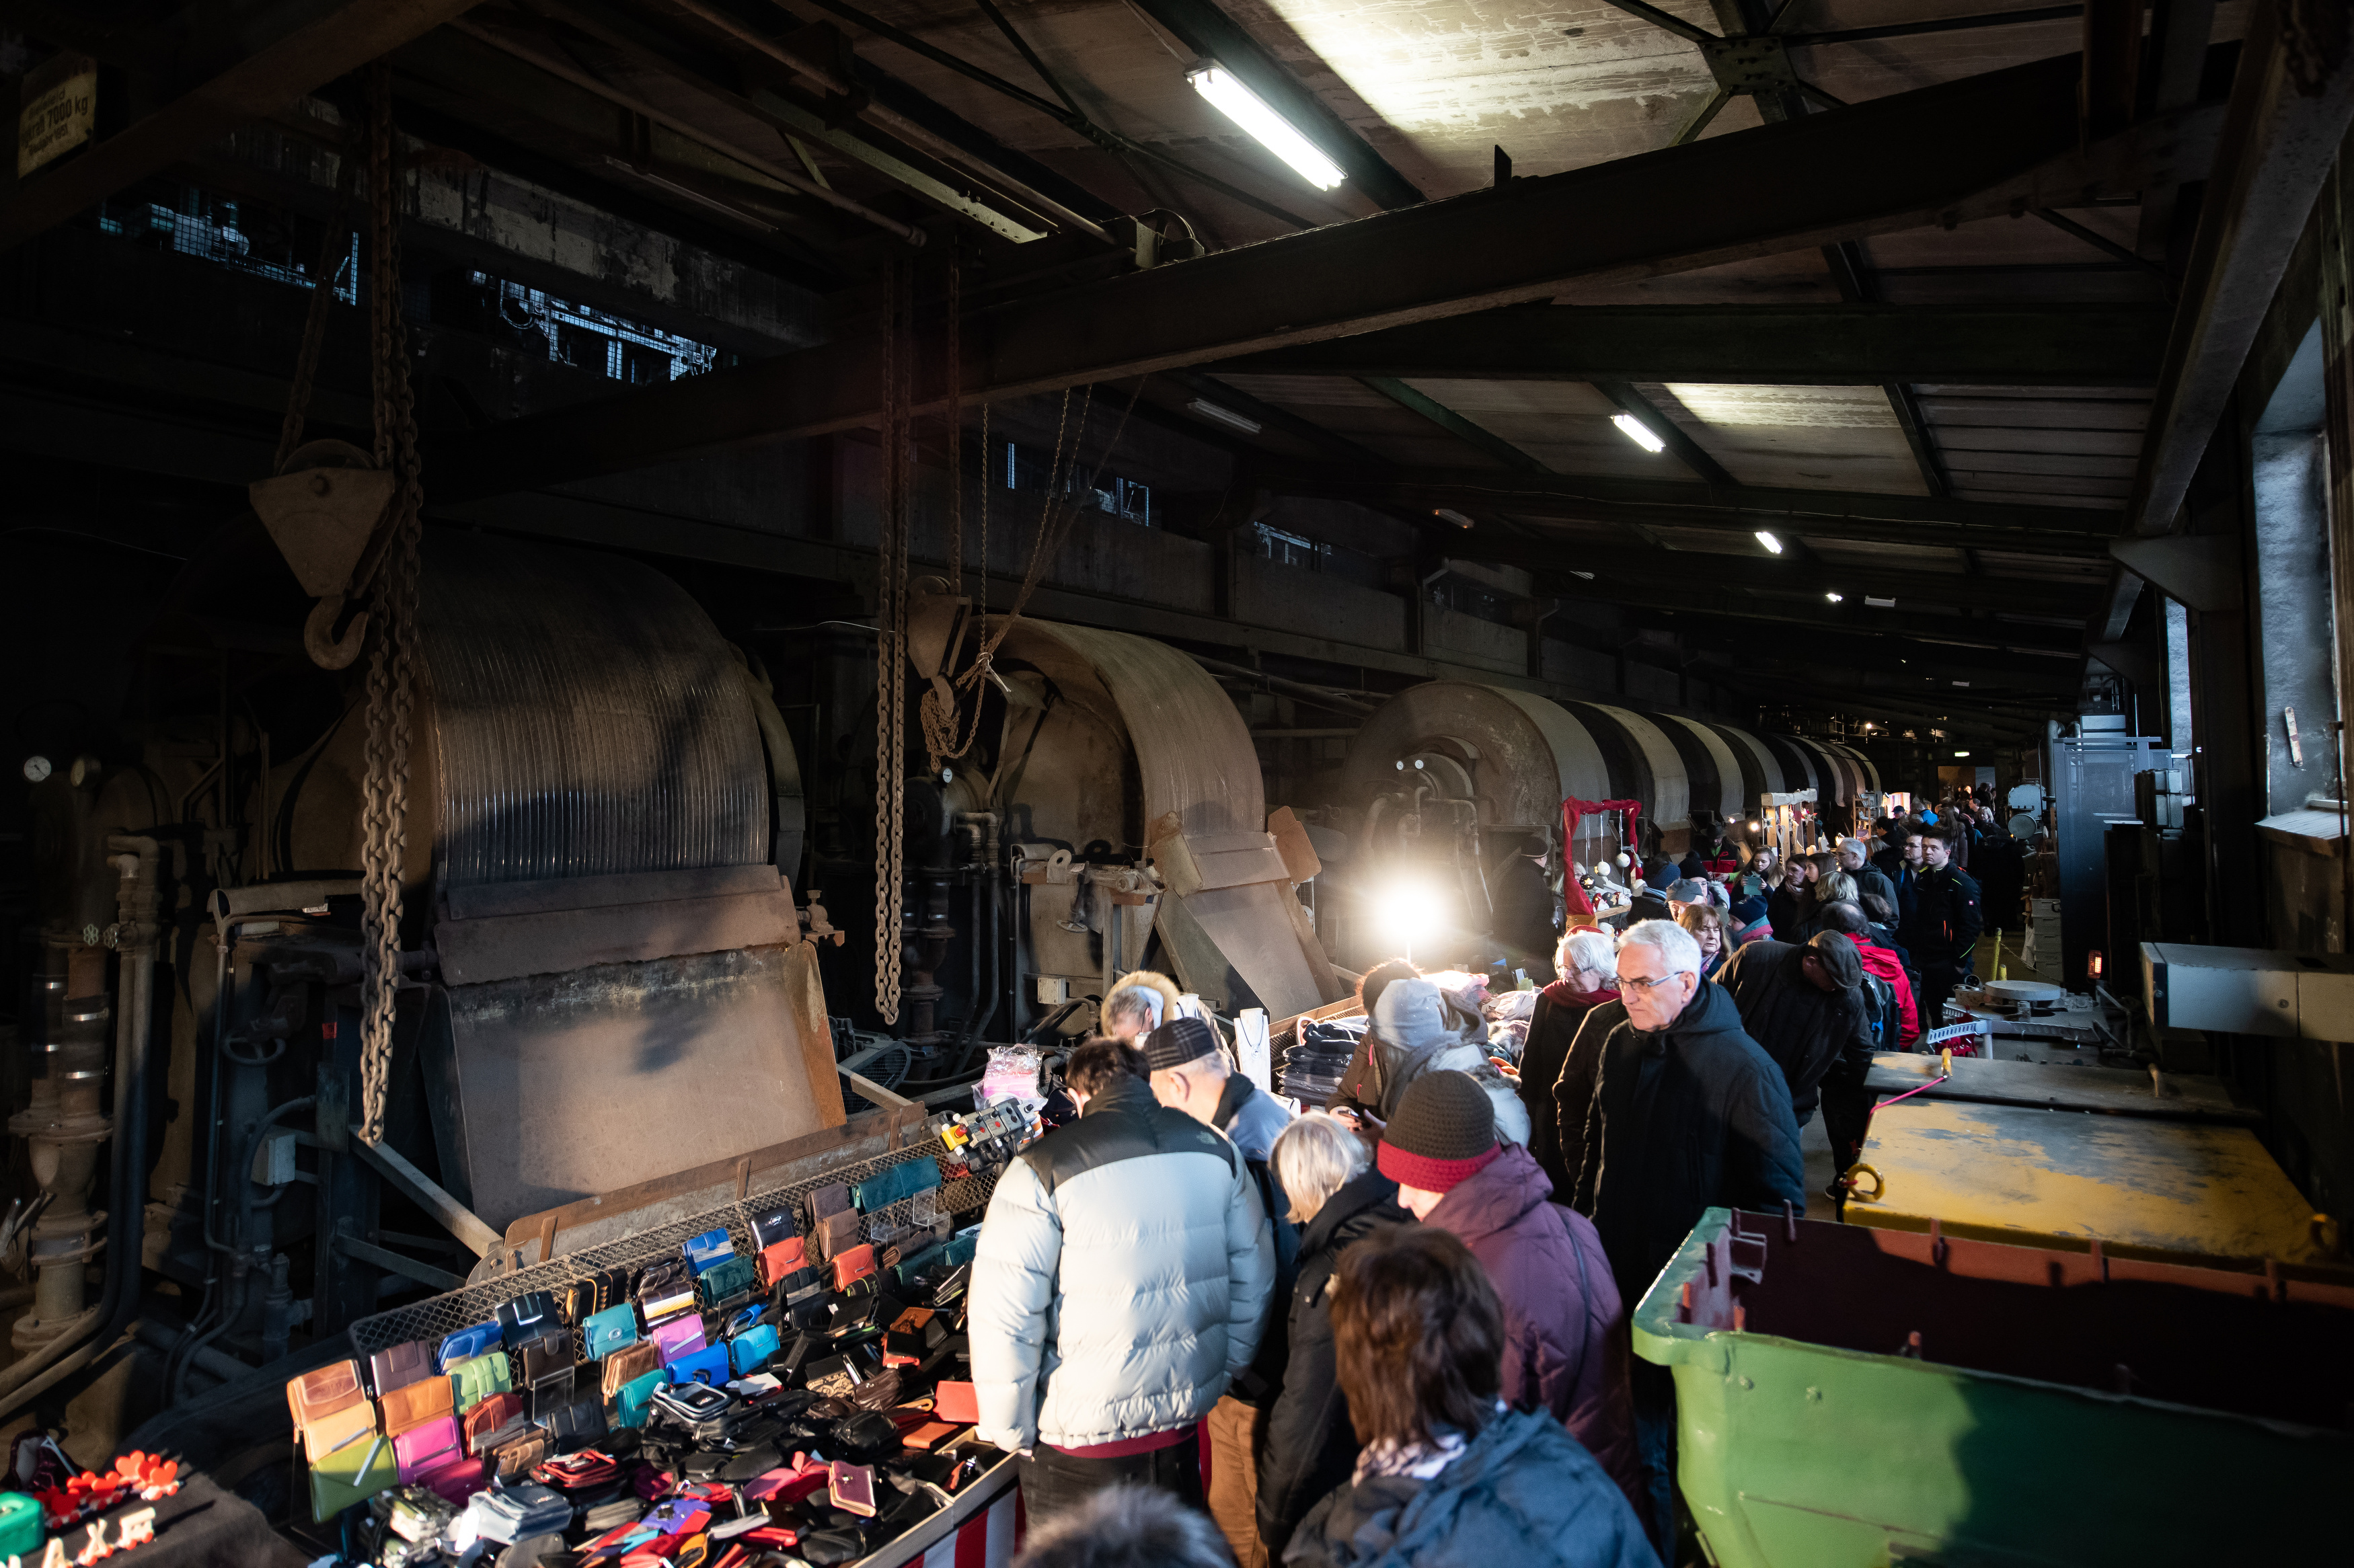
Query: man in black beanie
column 1804, row 1005
column 1191, row 1073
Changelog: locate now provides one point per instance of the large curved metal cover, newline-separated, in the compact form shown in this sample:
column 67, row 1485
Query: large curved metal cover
column 1865, row 768
column 1195, row 758
column 1837, row 768
column 1758, row 755
column 1193, row 752
column 586, row 718
column 1671, row 803
column 1530, row 753
column 1728, row 805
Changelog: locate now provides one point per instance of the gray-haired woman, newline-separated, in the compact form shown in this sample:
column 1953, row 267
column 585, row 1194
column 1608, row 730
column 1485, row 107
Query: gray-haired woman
column 1337, row 1199
column 1588, row 964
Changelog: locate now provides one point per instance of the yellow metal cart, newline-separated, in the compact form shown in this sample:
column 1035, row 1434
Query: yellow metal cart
column 2140, row 1187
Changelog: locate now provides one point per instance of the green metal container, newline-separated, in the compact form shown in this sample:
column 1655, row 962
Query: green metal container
column 1852, row 1398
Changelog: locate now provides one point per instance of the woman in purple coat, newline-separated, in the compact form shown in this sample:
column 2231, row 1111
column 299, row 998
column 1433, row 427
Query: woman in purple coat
column 1564, row 1337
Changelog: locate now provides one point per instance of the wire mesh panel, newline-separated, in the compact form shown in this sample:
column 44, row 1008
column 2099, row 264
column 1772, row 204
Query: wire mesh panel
column 446, row 1314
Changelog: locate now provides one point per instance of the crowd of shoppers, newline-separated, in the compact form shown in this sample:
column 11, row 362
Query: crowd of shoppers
column 1399, row 1325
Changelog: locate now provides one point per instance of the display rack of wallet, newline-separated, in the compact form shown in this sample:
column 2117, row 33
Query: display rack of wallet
column 784, row 1377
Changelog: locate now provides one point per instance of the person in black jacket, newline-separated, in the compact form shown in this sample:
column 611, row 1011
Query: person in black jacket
column 1689, row 1114
column 1337, row 1199
column 1587, row 962
column 1803, row 1006
column 1946, row 918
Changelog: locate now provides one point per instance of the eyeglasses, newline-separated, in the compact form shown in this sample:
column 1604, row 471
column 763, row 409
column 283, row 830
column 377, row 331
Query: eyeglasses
column 1625, row 983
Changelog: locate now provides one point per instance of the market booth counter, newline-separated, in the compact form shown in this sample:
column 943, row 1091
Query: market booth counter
column 1850, row 1397
column 785, row 1372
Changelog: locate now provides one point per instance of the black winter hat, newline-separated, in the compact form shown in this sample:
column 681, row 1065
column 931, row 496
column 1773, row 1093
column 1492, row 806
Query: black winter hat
column 1177, row 1043
column 1444, row 1130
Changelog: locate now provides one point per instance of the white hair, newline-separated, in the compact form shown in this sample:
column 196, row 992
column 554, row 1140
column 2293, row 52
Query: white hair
column 1670, row 941
column 1314, row 1158
column 1857, row 845
column 1589, row 951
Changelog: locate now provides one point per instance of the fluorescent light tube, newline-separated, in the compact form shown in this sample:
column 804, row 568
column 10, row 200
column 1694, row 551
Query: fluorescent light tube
column 1243, row 422
column 1770, row 542
column 1880, row 603
column 1638, row 432
column 1449, row 515
column 1247, row 110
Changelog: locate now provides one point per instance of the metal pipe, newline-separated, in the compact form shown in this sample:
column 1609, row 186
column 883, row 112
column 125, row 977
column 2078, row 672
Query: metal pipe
column 134, row 938
column 898, row 124
column 776, row 172
column 1321, row 696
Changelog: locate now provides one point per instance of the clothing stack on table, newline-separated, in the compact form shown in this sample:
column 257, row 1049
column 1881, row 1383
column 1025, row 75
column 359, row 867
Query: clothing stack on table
column 1314, row 1063
column 810, row 1398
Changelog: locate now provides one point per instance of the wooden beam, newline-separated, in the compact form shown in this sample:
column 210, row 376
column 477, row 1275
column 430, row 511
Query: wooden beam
column 1893, row 163
column 252, row 63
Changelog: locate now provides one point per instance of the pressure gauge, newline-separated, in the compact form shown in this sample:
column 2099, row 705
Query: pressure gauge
column 37, row 768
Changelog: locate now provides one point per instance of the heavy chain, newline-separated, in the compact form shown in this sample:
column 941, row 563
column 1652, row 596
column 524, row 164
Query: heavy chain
column 891, row 659
column 384, row 808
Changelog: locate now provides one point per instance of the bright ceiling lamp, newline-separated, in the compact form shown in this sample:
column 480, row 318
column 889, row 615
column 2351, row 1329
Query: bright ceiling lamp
column 1770, row 542
column 1247, row 110
column 1836, row 598
column 1638, row 432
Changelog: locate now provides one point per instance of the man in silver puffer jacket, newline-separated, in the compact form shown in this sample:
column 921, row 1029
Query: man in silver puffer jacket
column 1122, row 1280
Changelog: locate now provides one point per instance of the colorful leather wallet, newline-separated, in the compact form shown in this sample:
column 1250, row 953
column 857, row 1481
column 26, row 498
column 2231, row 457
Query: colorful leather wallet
column 353, row 1473
column 323, row 1390
column 607, row 1331
column 676, row 1337
column 544, row 1355
column 850, row 1267
column 749, row 1352
column 780, row 1258
column 628, row 1364
column 584, row 1298
column 709, row 1249
column 528, row 1315
column 708, row 1365
column 727, row 1284
column 411, row 1406
column 424, row 1447
column 770, row 1227
column 665, row 1287
column 479, row 1378
column 400, row 1366
column 887, row 1187
column 337, row 1430
column 957, row 1402
column 456, row 1480
column 581, row 1422
column 631, row 1401
column 466, row 1344
column 487, row 1421
column 831, row 1199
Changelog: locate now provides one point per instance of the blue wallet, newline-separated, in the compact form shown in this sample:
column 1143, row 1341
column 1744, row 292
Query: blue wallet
column 607, row 1331
column 467, row 1343
column 709, row 1248
column 749, row 1352
column 707, row 1365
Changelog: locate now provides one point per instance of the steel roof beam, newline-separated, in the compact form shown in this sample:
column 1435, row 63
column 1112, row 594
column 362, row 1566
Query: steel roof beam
column 1590, row 498
column 1944, row 153
column 235, row 69
column 1800, row 345
column 1818, row 578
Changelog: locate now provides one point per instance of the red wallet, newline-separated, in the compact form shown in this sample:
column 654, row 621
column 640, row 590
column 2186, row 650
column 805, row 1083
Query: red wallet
column 955, row 1402
column 853, row 1267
